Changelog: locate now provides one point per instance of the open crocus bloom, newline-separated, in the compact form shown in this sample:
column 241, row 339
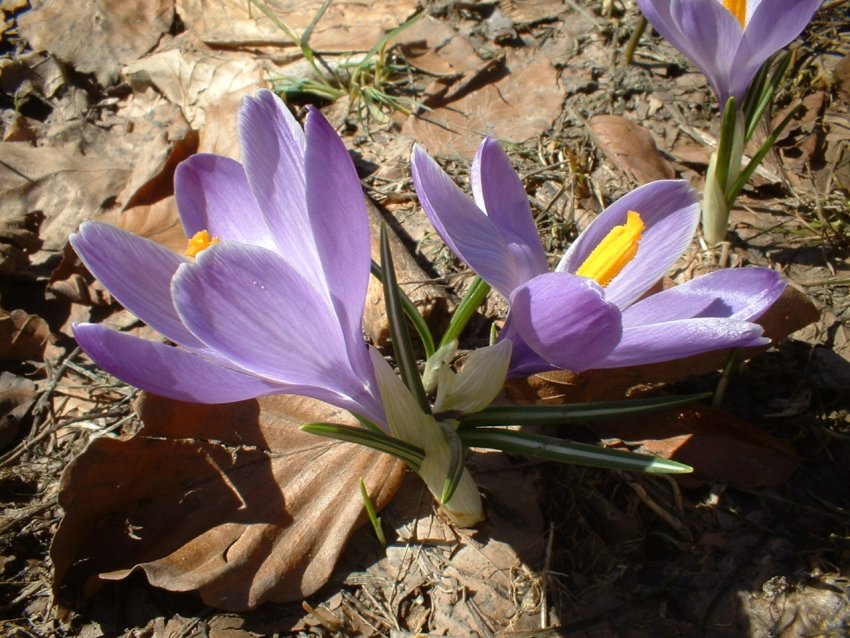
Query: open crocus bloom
column 269, row 295
column 729, row 40
column 589, row 312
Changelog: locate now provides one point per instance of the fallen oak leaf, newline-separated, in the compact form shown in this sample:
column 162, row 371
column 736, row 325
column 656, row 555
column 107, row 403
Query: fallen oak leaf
column 517, row 97
column 97, row 37
column 631, row 148
column 22, row 336
column 718, row 445
column 232, row 501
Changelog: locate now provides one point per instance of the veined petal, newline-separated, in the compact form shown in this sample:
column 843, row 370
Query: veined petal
column 251, row 306
column 180, row 374
column 499, row 192
column 273, row 155
column 138, row 273
column 212, row 194
column 656, row 342
column 704, row 31
column 564, row 319
column 166, row 370
column 337, row 209
column 670, row 211
column 524, row 360
column 742, row 294
column 470, row 234
column 772, row 24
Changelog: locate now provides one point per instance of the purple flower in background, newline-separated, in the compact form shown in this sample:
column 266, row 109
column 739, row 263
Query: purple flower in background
column 589, row 312
column 272, row 303
column 729, row 40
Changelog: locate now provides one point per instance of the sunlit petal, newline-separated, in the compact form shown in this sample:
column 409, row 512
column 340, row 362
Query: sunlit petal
column 470, row 234
column 670, row 212
column 137, row 272
column 667, row 341
column 212, row 194
column 741, row 294
column 499, row 192
column 565, row 319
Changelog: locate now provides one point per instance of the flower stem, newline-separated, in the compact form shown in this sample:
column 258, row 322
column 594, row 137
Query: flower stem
column 467, row 307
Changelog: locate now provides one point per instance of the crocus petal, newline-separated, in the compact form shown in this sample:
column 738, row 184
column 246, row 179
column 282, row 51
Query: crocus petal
column 714, row 35
column 704, row 31
column 671, row 340
column 273, row 154
column 212, row 194
column 565, row 319
column 469, row 233
column 137, row 272
column 166, row 370
column 771, row 26
column 499, row 192
column 742, row 294
column 670, row 211
column 251, row 306
column 340, row 223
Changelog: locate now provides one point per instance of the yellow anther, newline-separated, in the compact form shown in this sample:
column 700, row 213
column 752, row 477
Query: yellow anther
column 737, row 8
column 200, row 241
column 613, row 253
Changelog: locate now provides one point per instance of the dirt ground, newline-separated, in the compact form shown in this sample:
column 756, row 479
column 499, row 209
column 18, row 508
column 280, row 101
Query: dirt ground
column 756, row 543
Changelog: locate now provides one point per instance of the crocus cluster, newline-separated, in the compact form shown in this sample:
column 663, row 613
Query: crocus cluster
column 268, row 296
column 592, row 311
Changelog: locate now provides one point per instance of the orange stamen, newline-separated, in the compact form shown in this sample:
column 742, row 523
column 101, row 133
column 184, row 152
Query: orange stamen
column 613, row 253
column 737, row 8
column 200, row 241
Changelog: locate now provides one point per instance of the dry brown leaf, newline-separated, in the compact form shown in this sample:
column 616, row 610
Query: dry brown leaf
column 345, row 26
column 717, row 444
column 67, row 186
column 22, row 336
column 72, row 281
column 232, row 501
column 159, row 222
column 631, row 148
column 19, row 239
column 33, row 74
column 169, row 141
column 842, row 78
column 194, row 77
column 17, row 396
column 98, row 36
column 434, row 47
column 513, row 101
column 529, row 11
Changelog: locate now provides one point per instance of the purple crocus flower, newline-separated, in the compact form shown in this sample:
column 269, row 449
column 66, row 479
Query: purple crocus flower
column 729, row 40
column 591, row 311
column 274, row 302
